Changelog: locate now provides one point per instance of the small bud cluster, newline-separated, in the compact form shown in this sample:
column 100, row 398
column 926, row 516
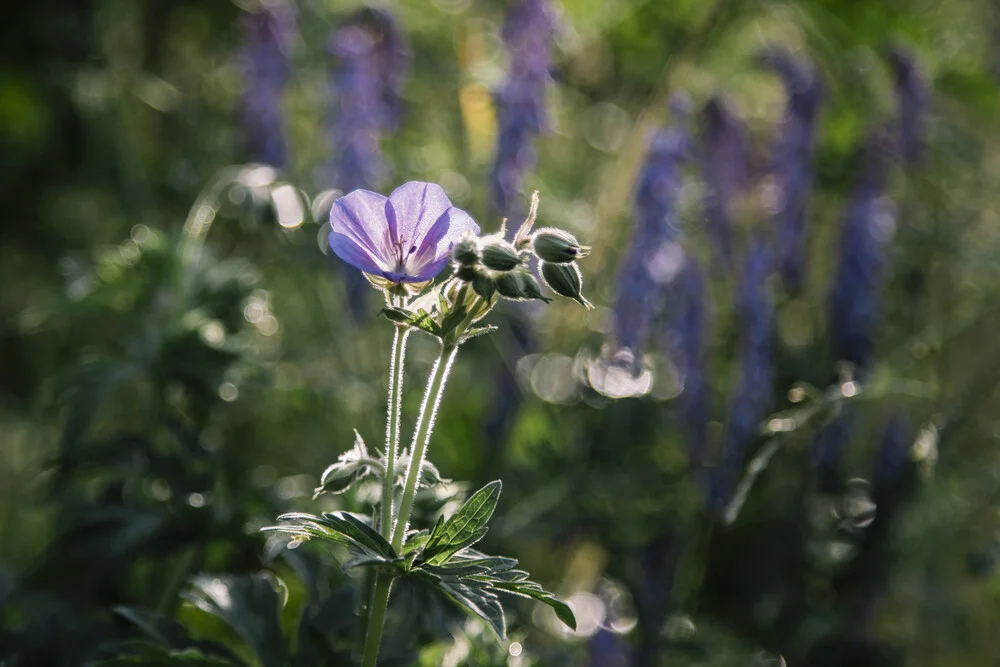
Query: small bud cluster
column 493, row 265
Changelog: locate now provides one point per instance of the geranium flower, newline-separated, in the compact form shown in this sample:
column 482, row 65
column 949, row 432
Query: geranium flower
column 401, row 241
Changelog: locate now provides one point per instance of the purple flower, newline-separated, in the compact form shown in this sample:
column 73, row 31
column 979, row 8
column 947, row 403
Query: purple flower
column 654, row 256
column 689, row 333
column 867, row 224
column 528, row 30
column 370, row 62
column 911, row 96
column 792, row 158
column 725, row 172
column 267, row 41
column 405, row 238
column 752, row 397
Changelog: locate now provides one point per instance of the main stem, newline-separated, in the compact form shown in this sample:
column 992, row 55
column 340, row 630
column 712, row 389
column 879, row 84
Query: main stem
column 399, row 339
column 421, row 436
column 376, row 617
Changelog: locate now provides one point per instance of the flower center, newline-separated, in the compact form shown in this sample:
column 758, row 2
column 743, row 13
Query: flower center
column 402, row 255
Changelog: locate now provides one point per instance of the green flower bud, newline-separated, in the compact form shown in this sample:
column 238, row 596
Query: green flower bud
column 466, row 272
column 484, row 286
column 557, row 246
column 565, row 279
column 500, row 255
column 519, row 285
column 466, row 251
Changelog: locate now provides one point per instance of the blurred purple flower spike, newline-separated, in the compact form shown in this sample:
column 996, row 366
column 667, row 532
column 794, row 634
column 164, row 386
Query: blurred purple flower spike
column 401, row 241
column 371, row 58
column 528, row 31
column 867, row 225
column 724, row 170
column 792, row 160
column 268, row 35
column 751, row 399
column 654, row 256
column 911, row 97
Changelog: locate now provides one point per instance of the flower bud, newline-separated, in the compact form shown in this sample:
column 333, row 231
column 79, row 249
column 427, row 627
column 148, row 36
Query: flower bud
column 557, row 246
column 519, row 285
column 484, row 286
column 466, row 272
column 466, row 251
column 500, row 255
column 565, row 279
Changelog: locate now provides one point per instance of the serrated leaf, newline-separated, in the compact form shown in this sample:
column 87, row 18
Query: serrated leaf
column 466, row 527
column 530, row 589
column 480, row 602
column 340, row 527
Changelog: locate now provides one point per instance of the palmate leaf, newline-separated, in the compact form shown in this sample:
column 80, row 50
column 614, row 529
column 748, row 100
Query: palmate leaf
column 444, row 558
column 466, row 527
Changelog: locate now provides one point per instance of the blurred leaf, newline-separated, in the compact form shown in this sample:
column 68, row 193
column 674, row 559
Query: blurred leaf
column 151, row 654
column 251, row 606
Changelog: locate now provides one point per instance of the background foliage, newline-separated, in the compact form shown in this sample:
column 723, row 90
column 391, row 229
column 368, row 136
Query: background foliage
column 159, row 405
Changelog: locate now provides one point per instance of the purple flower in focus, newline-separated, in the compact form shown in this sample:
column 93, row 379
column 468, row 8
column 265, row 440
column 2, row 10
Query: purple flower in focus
column 911, row 96
column 528, row 31
column 752, row 398
column 405, row 238
column 267, row 41
column 654, row 256
column 725, row 172
column 866, row 227
column 792, row 160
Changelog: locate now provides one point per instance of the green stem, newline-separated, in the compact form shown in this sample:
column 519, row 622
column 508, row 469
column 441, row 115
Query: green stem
column 421, row 436
column 399, row 339
column 376, row 618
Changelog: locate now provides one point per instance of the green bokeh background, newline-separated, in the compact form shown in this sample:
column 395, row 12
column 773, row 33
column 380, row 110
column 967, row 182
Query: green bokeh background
column 156, row 411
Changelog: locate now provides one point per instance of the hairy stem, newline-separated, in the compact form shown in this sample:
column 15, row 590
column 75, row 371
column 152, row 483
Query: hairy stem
column 376, row 618
column 392, row 419
column 421, row 436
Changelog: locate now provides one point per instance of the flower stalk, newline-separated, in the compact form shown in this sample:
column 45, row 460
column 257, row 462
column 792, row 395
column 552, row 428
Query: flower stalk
column 399, row 339
column 422, row 431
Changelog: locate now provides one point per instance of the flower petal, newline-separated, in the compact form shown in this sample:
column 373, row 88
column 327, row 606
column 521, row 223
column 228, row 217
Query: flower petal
column 354, row 253
column 435, row 250
column 412, row 210
column 360, row 216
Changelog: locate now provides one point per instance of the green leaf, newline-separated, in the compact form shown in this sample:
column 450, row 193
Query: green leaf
column 530, row 589
column 396, row 315
column 475, row 332
column 481, row 602
column 251, row 606
column 466, row 527
column 151, row 654
column 340, row 527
